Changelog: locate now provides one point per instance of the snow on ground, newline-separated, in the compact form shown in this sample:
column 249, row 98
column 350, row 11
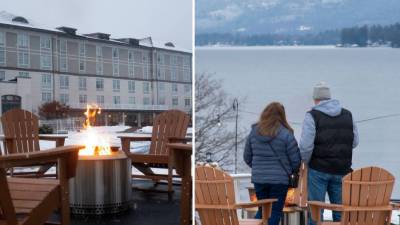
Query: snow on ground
column 149, row 129
column 109, row 132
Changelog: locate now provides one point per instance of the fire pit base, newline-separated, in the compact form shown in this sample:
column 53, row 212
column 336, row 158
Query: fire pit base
column 102, row 185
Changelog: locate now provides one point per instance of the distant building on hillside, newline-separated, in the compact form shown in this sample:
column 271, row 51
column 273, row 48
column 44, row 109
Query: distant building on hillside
column 127, row 77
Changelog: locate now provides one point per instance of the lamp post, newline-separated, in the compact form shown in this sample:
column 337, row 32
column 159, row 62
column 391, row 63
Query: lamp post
column 236, row 108
column 208, row 157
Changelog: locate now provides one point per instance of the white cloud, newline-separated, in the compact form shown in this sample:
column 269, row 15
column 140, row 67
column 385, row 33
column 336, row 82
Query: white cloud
column 228, row 13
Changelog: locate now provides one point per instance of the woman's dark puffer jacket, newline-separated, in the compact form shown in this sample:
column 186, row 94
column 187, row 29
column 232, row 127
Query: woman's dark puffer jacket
column 265, row 166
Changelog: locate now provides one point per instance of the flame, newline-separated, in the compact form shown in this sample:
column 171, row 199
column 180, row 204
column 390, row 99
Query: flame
column 95, row 143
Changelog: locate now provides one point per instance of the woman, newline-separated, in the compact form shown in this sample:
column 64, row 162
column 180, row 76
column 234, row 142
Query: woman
column 270, row 138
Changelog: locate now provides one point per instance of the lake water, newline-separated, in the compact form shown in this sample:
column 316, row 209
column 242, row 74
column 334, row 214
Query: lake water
column 365, row 80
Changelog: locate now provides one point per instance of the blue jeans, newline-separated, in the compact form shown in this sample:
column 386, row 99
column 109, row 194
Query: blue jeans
column 319, row 184
column 278, row 191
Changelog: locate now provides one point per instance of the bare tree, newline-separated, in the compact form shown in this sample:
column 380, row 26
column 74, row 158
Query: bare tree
column 214, row 118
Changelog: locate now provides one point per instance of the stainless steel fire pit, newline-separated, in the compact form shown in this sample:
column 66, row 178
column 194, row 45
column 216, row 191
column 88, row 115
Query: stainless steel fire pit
column 102, row 185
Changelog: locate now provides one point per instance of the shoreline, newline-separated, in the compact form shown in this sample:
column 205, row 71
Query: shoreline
column 260, row 47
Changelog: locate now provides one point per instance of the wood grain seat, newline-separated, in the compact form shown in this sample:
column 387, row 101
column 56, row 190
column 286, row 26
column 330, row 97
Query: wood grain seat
column 31, row 201
column 366, row 199
column 215, row 199
column 168, row 127
column 27, row 194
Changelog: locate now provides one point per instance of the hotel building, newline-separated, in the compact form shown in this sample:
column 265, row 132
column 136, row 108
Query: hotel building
column 131, row 79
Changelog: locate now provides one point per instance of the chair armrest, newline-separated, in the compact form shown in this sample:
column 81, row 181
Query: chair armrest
column 60, row 140
column 128, row 138
column 255, row 203
column 179, row 139
column 323, row 205
column 315, row 208
column 51, row 155
column 395, row 205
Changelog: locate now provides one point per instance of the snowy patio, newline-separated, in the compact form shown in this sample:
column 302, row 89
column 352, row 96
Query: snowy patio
column 146, row 207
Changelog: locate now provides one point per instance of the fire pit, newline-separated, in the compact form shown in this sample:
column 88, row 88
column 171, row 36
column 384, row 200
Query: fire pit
column 102, row 184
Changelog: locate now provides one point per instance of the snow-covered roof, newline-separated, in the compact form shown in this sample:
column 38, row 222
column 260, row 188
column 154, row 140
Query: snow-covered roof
column 9, row 19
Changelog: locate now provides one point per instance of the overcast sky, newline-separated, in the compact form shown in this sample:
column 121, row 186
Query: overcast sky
column 163, row 20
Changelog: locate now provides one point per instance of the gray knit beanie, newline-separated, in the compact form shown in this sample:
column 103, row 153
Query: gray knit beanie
column 321, row 91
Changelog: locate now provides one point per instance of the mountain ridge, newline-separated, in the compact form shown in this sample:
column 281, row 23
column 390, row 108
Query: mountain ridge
column 291, row 16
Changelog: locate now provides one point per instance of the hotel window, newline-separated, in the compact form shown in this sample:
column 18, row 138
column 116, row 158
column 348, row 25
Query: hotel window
column 100, row 99
column 146, row 101
column 99, row 84
column 64, row 98
column 187, row 88
column 63, row 56
column 174, row 74
column 45, row 43
column 116, row 100
column 175, row 101
column 174, row 88
column 82, row 55
column 161, row 100
column 2, row 75
column 116, row 85
column 160, row 59
column 46, row 81
column 23, row 74
column 131, row 86
column 146, row 87
column 188, row 61
column 45, row 60
column 132, row 100
column 82, row 83
column 115, row 54
column 186, row 75
column 23, row 50
column 130, row 64
column 2, row 48
column 64, row 82
column 82, row 99
column 145, row 68
column 161, row 87
column 161, row 74
column 46, row 96
column 188, row 102
column 99, row 60
column 174, row 60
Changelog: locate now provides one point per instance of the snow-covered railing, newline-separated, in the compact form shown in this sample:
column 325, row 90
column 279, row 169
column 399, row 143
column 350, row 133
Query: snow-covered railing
column 122, row 106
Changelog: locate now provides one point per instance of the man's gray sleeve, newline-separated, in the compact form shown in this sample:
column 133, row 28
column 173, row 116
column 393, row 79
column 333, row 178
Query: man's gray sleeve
column 306, row 144
column 356, row 137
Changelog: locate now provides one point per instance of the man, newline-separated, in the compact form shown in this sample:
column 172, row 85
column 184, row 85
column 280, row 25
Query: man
column 328, row 137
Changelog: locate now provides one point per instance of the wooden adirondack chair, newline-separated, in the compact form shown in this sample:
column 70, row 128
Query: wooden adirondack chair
column 21, row 135
column 31, row 201
column 215, row 199
column 366, row 199
column 168, row 127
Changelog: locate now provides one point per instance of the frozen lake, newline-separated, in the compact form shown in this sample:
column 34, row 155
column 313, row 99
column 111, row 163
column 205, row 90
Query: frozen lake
column 366, row 81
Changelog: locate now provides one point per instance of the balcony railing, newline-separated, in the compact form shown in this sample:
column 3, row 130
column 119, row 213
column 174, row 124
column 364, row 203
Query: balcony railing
column 122, row 106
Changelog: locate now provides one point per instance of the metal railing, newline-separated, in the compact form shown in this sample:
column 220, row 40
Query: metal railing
column 122, row 106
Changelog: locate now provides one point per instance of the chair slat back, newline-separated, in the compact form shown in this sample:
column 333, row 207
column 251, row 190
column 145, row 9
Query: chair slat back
column 370, row 186
column 300, row 193
column 171, row 123
column 215, row 188
column 21, row 130
column 7, row 211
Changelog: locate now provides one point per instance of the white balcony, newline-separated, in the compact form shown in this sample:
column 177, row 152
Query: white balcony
column 121, row 106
